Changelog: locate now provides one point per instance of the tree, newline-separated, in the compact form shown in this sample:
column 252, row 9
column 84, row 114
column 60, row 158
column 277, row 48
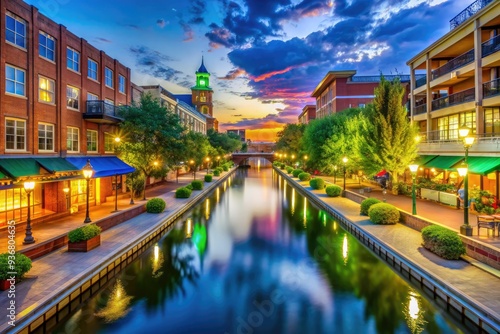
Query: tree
column 224, row 143
column 290, row 139
column 387, row 139
column 197, row 148
column 151, row 135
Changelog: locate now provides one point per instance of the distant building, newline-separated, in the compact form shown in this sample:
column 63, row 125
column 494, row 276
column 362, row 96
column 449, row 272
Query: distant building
column 308, row 114
column 340, row 90
column 201, row 96
column 238, row 132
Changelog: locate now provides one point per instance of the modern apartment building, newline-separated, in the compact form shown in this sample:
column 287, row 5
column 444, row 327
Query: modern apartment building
column 58, row 108
column 308, row 113
column 461, row 86
column 340, row 90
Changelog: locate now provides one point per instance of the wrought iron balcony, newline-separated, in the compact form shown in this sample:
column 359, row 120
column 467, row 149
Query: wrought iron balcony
column 475, row 7
column 421, row 109
column 491, row 88
column 421, row 81
column 491, row 46
column 101, row 112
column 453, row 64
column 454, row 99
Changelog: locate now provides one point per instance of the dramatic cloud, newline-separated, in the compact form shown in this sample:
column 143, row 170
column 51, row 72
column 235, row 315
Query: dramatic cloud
column 161, row 23
column 154, row 63
column 197, row 10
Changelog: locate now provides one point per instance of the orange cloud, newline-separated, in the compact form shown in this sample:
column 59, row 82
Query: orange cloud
column 267, row 135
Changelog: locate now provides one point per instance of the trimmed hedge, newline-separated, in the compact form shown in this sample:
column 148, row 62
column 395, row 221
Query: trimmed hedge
column 183, row 192
column 155, row 205
column 442, row 242
column 282, row 166
column 208, row 178
column 333, row 190
column 84, row 233
column 317, row 183
column 189, row 186
column 366, row 204
column 22, row 264
column 197, row 184
column 216, row 172
column 225, row 168
column 383, row 213
column 289, row 169
column 296, row 172
column 304, row 176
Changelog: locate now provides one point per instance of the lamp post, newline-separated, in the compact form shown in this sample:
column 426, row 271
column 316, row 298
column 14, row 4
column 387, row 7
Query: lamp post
column 218, row 158
column 88, row 171
column 191, row 163
column 335, row 174
column 29, row 185
column 463, row 132
column 413, row 170
column 344, row 160
column 305, row 161
column 66, row 192
column 116, row 193
column 207, row 159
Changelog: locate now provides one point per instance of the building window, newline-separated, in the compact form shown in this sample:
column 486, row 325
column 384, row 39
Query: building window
column 109, row 101
column 108, row 77
column 91, row 141
column 92, row 69
column 72, row 97
column 92, row 97
column 121, row 84
column 15, row 134
column 45, row 137
column 492, row 121
column 361, row 105
column 46, row 46
column 73, row 60
column 72, row 139
column 46, row 90
column 15, row 80
column 109, row 143
column 15, row 30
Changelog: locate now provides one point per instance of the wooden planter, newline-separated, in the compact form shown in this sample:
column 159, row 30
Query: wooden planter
column 84, row 246
column 4, row 285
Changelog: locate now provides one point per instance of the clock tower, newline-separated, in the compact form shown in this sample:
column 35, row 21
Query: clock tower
column 202, row 92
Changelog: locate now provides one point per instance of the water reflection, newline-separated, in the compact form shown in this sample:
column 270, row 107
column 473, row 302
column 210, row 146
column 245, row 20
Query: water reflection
column 157, row 262
column 117, row 306
column 345, row 249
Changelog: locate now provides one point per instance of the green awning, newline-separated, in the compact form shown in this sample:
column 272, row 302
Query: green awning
column 54, row 165
column 443, row 162
column 482, row 165
column 423, row 159
column 19, row 167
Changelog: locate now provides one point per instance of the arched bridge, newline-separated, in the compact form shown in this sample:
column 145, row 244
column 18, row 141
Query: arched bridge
column 239, row 158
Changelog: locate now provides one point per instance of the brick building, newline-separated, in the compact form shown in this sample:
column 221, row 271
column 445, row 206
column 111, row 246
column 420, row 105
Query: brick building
column 308, row 113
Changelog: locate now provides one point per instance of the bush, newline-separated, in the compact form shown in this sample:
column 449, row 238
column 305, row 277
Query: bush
column 296, row 172
column 304, row 176
column 225, row 167
column 317, row 183
column 216, row 172
column 366, row 204
column 220, row 169
column 197, row 185
column 289, row 169
column 282, row 166
column 84, row 233
column 183, row 192
column 443, row 242
column 333, row 190
column 22, row 264
column 383, row 213
column 155, row 205
column 208, row 178
column 189, row 186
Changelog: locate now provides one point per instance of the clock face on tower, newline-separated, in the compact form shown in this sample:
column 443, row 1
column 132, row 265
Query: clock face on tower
column 202, row 82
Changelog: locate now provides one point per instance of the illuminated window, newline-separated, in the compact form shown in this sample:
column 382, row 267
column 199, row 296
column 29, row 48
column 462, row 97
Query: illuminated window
column 45, row 137
column 46, row 90
column 72, row 97
column 72, row 138
column 15, row 134
column 73, row 59
column 46, row 46
column 91, row 141
column 15, row 30
column 109, row 142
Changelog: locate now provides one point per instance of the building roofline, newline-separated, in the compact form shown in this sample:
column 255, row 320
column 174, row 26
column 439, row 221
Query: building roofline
column 329, row 77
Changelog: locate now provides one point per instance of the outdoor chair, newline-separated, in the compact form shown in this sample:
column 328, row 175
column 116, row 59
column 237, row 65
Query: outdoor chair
column 486, row 221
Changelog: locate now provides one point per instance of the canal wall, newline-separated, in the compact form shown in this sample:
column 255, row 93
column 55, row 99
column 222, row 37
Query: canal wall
column 447, row 296
column 42, row 316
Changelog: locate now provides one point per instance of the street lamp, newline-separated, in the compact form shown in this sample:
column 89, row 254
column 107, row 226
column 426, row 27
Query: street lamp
column 335, row 174
column 66, row 192
column 191, row 163
column 463, row 132
column 218, row 158
column 413, row 170
column 207, row 159
column 305, row 161
column 344, row 160
column 29, row 185
column 88, row 171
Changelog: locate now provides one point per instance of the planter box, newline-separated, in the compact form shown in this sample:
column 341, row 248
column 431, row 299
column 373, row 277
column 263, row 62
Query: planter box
column 4, row 285
column 84, row 246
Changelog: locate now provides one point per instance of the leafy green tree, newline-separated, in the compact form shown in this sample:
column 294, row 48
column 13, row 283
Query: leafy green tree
column 197, row 148
column 151, row 134
column 387, row 138
column 290, row 139
column 222, row 142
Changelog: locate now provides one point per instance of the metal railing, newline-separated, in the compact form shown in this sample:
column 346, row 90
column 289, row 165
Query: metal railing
column 453, row 64
column 453, row 99
column 98, row 107
column 451, row 136
column 421, row 81
column 491, row 88
column 475, row 7
column 421, row 109
column 490, row 46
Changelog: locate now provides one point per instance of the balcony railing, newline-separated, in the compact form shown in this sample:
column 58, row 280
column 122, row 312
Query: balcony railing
column 468, row 12
column 453, row 64
column 421, row 81
column 491, row 46
column 421, row 109
column 491, row 88
column 102, row 108
column 453, row 99
column 451, row 136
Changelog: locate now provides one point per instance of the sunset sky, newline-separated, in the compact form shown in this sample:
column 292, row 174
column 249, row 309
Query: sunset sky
column 265, row 57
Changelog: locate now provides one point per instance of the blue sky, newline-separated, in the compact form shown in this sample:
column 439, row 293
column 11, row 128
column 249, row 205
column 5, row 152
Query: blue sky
column 265, row 57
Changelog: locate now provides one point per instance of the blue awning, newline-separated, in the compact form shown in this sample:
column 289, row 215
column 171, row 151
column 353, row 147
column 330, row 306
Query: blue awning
column 103, row 166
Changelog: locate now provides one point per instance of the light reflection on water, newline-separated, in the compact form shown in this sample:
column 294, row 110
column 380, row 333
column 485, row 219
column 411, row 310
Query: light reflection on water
column 249, row 260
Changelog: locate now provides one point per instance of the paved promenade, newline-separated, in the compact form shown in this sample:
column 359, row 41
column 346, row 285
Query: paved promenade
column 59, row 271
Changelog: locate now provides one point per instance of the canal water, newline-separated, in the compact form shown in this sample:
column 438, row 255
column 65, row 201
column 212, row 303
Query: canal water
column 256, row 257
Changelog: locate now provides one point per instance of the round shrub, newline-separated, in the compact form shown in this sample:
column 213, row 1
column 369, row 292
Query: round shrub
column 443, row 242
column 317, row 183
column 84, row 233
column 216, row 172
column 22, row 264
column 208, row 178
column 282, row 166
column 155, row 205
column 333, row 190
column 189, row 186
column 183, row 192
column 383, row 213
column 197, row 185
column 296, row 172
column 225, row 168
column 289, row 169
column 366, row 204
column 220, row 169
column 304, row 176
